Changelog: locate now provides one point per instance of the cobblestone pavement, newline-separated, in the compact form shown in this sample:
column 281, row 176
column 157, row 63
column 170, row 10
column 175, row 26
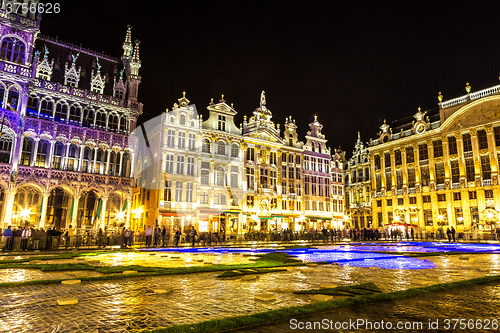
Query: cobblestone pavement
column 479, row 303
column 129, row 305
column 17, row 275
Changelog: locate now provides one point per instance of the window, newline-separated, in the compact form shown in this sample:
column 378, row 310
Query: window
column 171, row 138
column 425, row 176
column 204, row 198
column 379, row 203
column 250, row 178
column 220, row 199
column 57, row 156
column 467, row 142
column 387, row 160
column 234, row 180
column 190, row 166
column 452, row 145
column 205, row 177
column 112, row 122
column 182, row 119
column 263, row 178
column 88, row 119
column 397, row 157
column 426, row 198
column 482, row 139
column 178, row 192
column 388, row 181
column 182, row 141
column 250, row 154
column 457, row 196
column 428, row 217
column 469, row 169
column 455, row 171
column 191, row 142
column 221, row 148
column 12, row 50
column 486, row 167
column 423, row 152
column 42, row 153
column 439, row 173
column 235, row 150
column 474, row 212
column 459, row 216
column 411, row 178
column 234, row 200
column 100, row 119
column 488, row 194
column 438, row 148
column 220, row 177
column 250, row 201
column 441, row 197
column 377, row 162
column 410, row 157
column 413, row 200
column 399, row 179
column 389, row 202
column 205, row 147
column 221, row 124
column 472, row 195
column 61, row 111
column 189, row 192
column 273, row 158
column 169, row 164
column 400, row 201
column 5, row 147
column 167, row 193
column 378, row 182
column 497, row 136
column 47, row 108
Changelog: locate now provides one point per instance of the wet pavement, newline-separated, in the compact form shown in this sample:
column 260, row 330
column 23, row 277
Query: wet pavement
column 476, row 306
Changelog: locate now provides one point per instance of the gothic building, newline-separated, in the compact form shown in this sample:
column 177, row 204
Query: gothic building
column 440, row 169
column 66, row 112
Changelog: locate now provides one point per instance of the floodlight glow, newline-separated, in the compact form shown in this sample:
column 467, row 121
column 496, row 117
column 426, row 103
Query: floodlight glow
column 25, row 213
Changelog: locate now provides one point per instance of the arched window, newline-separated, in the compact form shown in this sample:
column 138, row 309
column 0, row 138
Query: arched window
column 61, row 111
column 100, row 119
column 57, row 157
column 47, row 108
column 2, row 93
column 204, row 198
column 42, row 153
column 88, row 118
column 220, row 176
column 28, row 145
column 73, row 157
column 234, row 200
column 33, row 104
column 75, row 113
column 99, row 161
column 182, row 120
column 126, row 165
column 221, row 148
column 112, row 164
column 13, row 50
column 5, row 148
column 205, row 147
column 235, row 150
column 13, row 98
column 88, row 155
column 113, row 122
column 222, row 199
column 123, row 124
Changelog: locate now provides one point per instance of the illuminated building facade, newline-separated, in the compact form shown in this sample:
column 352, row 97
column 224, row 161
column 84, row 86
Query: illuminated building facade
column 66, row 113
column 441, row 169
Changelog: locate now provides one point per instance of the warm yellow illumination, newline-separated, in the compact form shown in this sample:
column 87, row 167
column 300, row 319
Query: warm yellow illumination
column 25, row 213
column 138, row 212
column 189, row 217
column 441, row 217
column 120, row 215
column 397, row 218
column 489, row 215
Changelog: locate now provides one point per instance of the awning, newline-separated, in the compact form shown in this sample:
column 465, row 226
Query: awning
column 265, row 217
column 232, row 211
column 319, row 218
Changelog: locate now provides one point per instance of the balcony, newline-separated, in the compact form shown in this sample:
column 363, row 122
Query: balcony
column 487, row 182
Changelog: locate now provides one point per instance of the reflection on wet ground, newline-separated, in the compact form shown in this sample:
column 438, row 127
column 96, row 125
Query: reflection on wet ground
column 129, row 304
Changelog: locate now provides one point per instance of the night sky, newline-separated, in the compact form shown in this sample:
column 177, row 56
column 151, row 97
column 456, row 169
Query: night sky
column 352, row 63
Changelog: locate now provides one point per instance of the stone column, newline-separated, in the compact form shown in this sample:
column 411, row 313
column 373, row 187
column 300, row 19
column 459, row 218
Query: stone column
column 43, row 215
column 74, row 213
column 35, row 151
column 132, row 165
column 80, row 159
column 446, row 159
column 93, row 170
column 103, row 212
column 460, row 154
column 66, row 154
column 476, row 153
column 51, row 154
column 129, row 211
column 8, row 207
column 107, row 162
column 121, row 163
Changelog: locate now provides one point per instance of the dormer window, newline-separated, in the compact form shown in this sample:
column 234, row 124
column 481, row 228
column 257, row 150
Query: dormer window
column 221, row 124
column 13, row 49
column 183, row 119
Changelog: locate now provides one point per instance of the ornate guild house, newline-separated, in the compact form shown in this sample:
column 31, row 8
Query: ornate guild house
column 66, row 113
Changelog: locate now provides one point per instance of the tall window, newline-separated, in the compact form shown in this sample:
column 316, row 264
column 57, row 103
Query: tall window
column 467, row 142
column 204, row 198
column 221, row 124
column 100, row 119
column 57, row 156
column 75, row 113
column 482, row 139
column 12, row 50
column 220, row 176
column 424, row 176
column 469, row 169
column 189, row 192
column 387, row 160
column 47, row 108
column 113, row 122
column 250, row 178
column 263, row 177
column 399, row 179
column 42, row 153
column 5, row 148
column 88, row 155
column 205, row 173
column 61, row 111
column 180, row 165
column 178, row 192
column 250, row 154
column 455, row 171
column 274, row 179
column 423, row 153
column 486, row 167
column 221, row 148
column 190, row 166
column 99, row 165
column 497, row 136
column 397, row 157
column 167, row 194
column 88, row 118
column 73, row 158
column 438, row 148
column 171, row 138
column 388, row 181
column 439, row 173
column 234, row 180
column 170, row 164
column 28, row 145
column 205, row 147
column 182, row 120
column 411, row 178
column 410, row 157
column 235, row 150
column 452, row 145
column 191, row 142
column 182, row 141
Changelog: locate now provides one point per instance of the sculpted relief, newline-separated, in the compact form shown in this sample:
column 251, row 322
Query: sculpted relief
column 481, row 114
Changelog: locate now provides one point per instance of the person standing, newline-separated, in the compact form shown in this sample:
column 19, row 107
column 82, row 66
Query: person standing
column 149, row 236
column 412, row 234
column 163, row 235
column 128, row 234
column 7, row 234
column 99, row 238
column 71, row 235
column 157, row 236
column 25, row 235
column 453, row 233
column 193, row 234
column 177, row 236
column 448, row 233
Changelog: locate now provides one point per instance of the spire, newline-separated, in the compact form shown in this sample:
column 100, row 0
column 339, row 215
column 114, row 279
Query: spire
column 127, row 45
column 135, row 56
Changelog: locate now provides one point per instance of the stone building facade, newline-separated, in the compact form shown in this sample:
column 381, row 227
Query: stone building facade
column 441, row 169
column 66, row 113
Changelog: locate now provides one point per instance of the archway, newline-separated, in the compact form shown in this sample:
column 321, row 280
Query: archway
column 58, row 208
column 27, row 205
column 87, row 208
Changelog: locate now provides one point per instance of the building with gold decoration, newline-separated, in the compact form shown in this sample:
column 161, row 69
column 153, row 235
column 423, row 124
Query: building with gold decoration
column 441, row 168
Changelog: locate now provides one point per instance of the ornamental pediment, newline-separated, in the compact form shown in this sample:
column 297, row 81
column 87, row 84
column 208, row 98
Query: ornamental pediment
column 478, row 113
